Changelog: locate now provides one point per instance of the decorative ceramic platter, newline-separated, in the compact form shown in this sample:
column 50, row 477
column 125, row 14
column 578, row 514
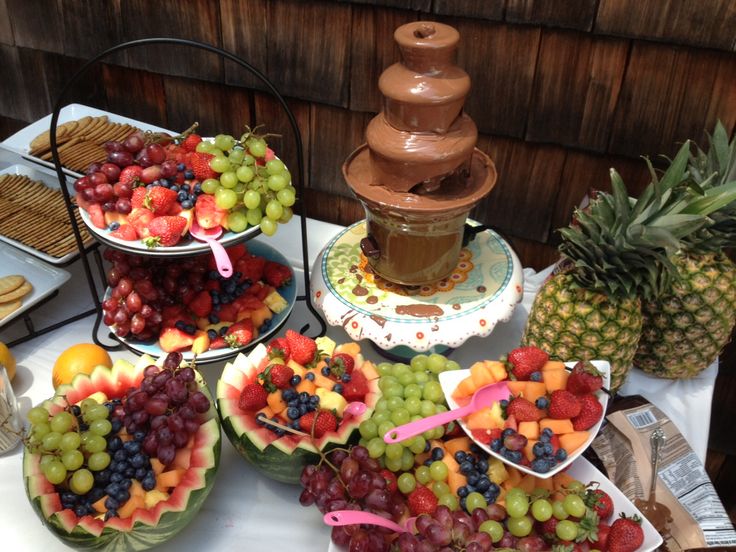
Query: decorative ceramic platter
column 450, row 379
column 483, row 290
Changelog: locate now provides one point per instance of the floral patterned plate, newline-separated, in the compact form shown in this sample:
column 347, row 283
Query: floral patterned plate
column 483, row 290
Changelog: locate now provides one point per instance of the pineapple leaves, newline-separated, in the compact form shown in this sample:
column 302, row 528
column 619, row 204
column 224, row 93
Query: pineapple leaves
column 714, row 199
column 675, row 173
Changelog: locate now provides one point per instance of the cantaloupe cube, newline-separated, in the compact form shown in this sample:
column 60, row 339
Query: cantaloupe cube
column 498, row 369
column 369, row 370
column 420, row 458
column 527, row 483
column 323, row 381
column 136, row 489
column 259, row 316
column 157, row 466
column 127, row 509
column 545, row 484
column 513, row 479
column 456, row 444
column 497, row 471
column 465, row 388
column 558, row 427
column 573, row 441
column 298, row 368
column 481, row 375
column 306, row 385
column 562, row 480
column 517, row 387
column 481, row 419
column 451, row 463
column 529, row 449
column 530, row 430
column 276, row 403
column 553, row 365
column 455, row 480
column 534, row 390
column 183, row 458
column 555, row 379
column 266, row 411
column 169, row 478
column 99, row 506
column 351, row 348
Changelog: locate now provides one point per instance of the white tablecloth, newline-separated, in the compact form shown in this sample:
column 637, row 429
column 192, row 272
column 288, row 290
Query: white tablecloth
column 245, row 510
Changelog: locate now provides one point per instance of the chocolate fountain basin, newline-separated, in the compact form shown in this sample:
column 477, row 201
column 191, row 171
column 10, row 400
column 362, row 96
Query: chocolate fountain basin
column 415, row 239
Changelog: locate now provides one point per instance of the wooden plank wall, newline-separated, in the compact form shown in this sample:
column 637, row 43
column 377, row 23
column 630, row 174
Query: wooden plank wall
column 561, row 90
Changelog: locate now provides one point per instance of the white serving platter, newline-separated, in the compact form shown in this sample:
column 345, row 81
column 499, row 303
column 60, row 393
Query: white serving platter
column 44, row 278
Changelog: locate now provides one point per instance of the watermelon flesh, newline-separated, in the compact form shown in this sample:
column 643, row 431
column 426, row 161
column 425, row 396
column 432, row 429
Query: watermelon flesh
column 279, row 457
column 144, row 528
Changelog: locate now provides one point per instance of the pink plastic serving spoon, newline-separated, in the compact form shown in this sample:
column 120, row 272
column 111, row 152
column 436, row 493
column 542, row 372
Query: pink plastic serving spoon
column 224, row 266
column 485, row 396
column 355, row 408
column 357, row 517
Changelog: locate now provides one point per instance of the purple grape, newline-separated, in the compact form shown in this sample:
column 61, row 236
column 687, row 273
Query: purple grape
column 440, row 536
column 185, row 374
column 199, row 402
column 306, row 498
column 159, row 421
column 339, row 536
column 176, row 391
column 166, row 453
column 140, row 417
column 422, row 523
column 113, row 145
column 150, row 444
column 181, row 438
column 187, row 412
column 173, row 360
column 134, row 143
column 515, row 441
column 161, row 378
column 378, row 499
column 157, row 406
column 165, row 435
column 443, row 516
column 120, row 158
column 191, row 426
column 349, row 469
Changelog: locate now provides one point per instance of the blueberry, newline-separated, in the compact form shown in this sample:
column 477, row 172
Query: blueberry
column 181, row 167
column 212, row 334
column 223, row 330
column 548, row 449
column 294, row 403
column 191, row 329
column 76, row 410
column 292, row 413
column 462, row 492
column 547, row 432
column 309, row 376
column 125, row 484
column 493, row 488
column 187, row 204
column 114, row 226
column 138, row 460
column 504, row 403
column 81, row 510
column 496, row 445
column 180, row 324
column 508, row 431
column 346, row 378
column 140, row 473
column 112, row 489
column 303, row 397
column 473, row 479
column 116, row 477
column 288, row 395
column 295, row 380
column 535, row 376
column 463, row 502
column 428, row 462
column 175, row 188
column 476, row 449
column 122, row 496
column 198, row 189
column 437, row 453
column 466, row 467
column 489, row 496
column 148, row 483
column 120, row 467
column 102, row 476
column 515, row 456
column 303, row 409
column 538, row 449
column 120, row 455
column 95, row 494
column 482, row 465
column 83, row 427
column 314, row 400
column 188, row 174
column 483, row 484
column 561, row 455
column 337, row 388
column 132, row 447
column 68, row 497
column 326, row 371
column 114, row 444
column 540, row 465
column 139, row 436
column 259, row 421
column 460, row 457
column 111, row 514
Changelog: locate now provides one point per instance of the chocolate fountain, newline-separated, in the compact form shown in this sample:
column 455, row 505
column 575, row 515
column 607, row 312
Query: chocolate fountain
column 419, row 175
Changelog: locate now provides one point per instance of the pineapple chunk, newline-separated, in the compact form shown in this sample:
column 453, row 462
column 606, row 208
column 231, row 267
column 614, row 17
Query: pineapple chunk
column 97, row 396
column 329, row 400
column 275, row 302
column 327, row 345
column 497, row 471
column 153, row 497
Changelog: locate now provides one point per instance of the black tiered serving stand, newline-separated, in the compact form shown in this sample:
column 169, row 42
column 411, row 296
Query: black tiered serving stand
column 60, row 103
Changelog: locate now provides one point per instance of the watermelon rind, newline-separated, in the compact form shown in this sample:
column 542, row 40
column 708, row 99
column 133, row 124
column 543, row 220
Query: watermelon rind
column 146, row 528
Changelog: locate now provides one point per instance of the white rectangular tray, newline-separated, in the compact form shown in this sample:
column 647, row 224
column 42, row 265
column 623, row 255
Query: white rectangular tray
column 49, row 179
column 44, row 278
column 21, row 140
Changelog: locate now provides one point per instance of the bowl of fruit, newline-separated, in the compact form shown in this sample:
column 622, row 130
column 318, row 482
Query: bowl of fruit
column 152, row 187
column 123, row 458
column 285, row 403
column 553, row 412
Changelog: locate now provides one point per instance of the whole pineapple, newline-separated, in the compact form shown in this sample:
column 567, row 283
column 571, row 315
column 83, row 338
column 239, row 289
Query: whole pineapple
column 685, row 329
column 614, row 253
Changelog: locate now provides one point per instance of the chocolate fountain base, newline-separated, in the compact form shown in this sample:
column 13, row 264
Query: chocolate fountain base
column 483, row 290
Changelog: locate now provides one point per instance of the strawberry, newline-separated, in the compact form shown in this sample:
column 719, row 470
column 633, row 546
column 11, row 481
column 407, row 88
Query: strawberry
column 235, row 252
column 391, row 481
column 591, row 411
column 279, row 348
column 240, row 333
column 201, row 304
column 276, row 376
column 356, row 388
column 625, row 535
column 323, row 421
column 228, row 312
column 207, row 213
column 165, row 231
column 276, row 275
column 218, row 343
column 524, row 410
column 130, row 175
column 525, row 360
column 563, row 404
column 584, row 378
column 139, row 197
column 190, row 142
column 303, row 348
column 96, row 215
column 125, row 232
column 548, row 529
column 486, row 435
column 422, row 501
column 253, row 397
column 341, row 363
column 599, row 501
column 139, row 219
column 160, row 200
column 603, row 530
column 251, row 268
column 200, row 163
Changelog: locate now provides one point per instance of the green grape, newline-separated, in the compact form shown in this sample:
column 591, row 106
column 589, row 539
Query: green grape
column 427, row 409
column 237, row 221
column 72, row 459
column 268, row 226
column 574, row 505
column 219, row 164
column 452, row 365
column 225, row 198
column 286, row 215
column 438, row 432
column 394, row 450
column 405, row 378
column 419, row 363
column 210, row 186
column 224, row 141
column 376, row 447
column 420, row 378
column 203, row 147
column 558, row 510
column 386, row 381
column 439, row 488
column 257, row 147
column 240, row 190
column 277, row 182
column 381, row 405
column 412, row 390
column 575, row 486
column 440, row 408
column 412, row 404
column 475, row 500
column 438, row 470
column 286, row 196
column 62, row 422
column 39, row 430
column 394, row 403
column 541, row 509
column 251, row 199
column 407, row 460
column 393, row 464
column 515, row 492
column 433, row 392
column 401, row 368
column 274, row 210
column 493, row 528
column 275, row 166
column 368, row 429
column 254, row 216
column 51, row 441
column 55, row 472
column 95, row 443
column 418, row 444
column 45, row 459
column 385, row 427
column 517, row 506
column 228, row 179
column 362, row 442
column 100, row 427
column 519, row 526
column 422, row 475
column 98, row 461
column 236, row 156
column 249, row 159
column 381, row 417
column 96, row 412
column 70, row 441
column 566, row 530
column 436, row 363
column 449, row 500
column 395, row 390
column 384, row 369
column 245, row 173
column 38, row 415
column 400, row 416
column 81, row 481
column 407, row 483
column 84, row 437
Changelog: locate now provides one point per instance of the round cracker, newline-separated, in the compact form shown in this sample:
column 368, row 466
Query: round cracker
column 8, row 308
column 24, row 289
column 11, row 283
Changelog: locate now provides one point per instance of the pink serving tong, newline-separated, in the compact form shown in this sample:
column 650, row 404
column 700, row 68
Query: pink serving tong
column 485, row 396
column 357, row 517
column 224, row 265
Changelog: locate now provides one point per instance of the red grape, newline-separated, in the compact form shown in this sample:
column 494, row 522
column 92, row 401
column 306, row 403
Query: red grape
column 97, row 178
column 156, row 153
column 111, row 171
column 112, row 145
column 134, row 142
column 123, row 206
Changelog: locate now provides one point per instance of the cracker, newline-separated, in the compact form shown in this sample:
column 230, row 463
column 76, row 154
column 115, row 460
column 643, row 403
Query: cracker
column 18, row 293
column 9, row 308
column 11, row 283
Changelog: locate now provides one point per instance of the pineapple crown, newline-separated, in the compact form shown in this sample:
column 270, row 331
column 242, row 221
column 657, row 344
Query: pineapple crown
column 620, row 246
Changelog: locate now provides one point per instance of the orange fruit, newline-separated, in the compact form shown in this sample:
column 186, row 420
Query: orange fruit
column 7, row 360
column 81, row 358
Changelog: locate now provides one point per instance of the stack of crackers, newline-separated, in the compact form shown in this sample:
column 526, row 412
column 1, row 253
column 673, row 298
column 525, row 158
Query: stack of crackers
column 80, row 142
column 35, row 215
column 12, row 291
